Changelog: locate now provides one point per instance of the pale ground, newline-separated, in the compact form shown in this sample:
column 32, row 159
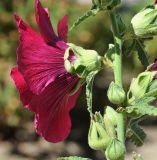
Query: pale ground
column 36, row 150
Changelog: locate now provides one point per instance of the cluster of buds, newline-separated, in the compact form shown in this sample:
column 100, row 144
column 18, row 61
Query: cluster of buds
column 103, row 134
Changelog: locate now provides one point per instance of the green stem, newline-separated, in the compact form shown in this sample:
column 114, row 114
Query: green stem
column 121, row 128
column 117, row 67
column 117, row 63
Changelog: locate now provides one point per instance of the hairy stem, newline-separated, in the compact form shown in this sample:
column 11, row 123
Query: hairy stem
column 117, row 68
column 117, row 63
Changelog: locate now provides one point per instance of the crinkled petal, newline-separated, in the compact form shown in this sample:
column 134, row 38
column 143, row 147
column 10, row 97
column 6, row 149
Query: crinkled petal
column 38, row 62
column 52, row 120
column 63, row 28
column 44, row 23
column 25, row 94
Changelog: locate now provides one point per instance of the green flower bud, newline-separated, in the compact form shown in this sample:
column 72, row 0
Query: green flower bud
column 81, row 61
column 115, row 151
column 98, row 139
column 139, row 85
column 145, row 22
column 111, row 114
column 106, row 3
column 116, row 94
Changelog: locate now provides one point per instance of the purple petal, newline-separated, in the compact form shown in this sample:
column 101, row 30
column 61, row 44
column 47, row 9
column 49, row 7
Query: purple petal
column 44, row 23
column 52, row 120
column 25, row 94
column 153, row 67
column 38, row 62
column 63, row 28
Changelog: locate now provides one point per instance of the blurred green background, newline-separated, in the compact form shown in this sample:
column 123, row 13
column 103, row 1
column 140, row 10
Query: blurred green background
column 18, row 140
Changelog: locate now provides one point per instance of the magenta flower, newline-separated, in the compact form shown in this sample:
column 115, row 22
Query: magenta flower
column 153, row 67
column 41, row 78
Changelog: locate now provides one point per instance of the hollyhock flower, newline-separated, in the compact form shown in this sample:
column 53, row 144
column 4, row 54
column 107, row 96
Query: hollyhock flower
column 48, row 73
column 155, row 1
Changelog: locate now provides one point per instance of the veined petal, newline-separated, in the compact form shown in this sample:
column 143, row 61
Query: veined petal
column 52, row 120
column 25, row 94
column 63, row 28
column 44, row 23
column 38, row 62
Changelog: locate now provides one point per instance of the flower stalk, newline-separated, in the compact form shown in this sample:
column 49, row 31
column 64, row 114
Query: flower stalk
column 117, row 63
column 117, row 69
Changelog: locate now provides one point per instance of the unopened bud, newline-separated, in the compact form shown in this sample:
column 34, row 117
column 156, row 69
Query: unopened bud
column 145, row 22
column 116, row 150
column 116, row 94
column 98, row 138
column 139, row 85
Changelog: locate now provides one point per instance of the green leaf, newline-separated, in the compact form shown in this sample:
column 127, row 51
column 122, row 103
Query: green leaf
column 141, row 107
column 142, row 110
column 89, row 87
column 142, row 54
column 137, row 135
column 144, row 100
column 72, row 158
column 91, row 12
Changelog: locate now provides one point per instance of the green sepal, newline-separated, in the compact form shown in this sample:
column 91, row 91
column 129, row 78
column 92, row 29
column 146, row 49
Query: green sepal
column 98, row 138
column 86, row 61
column 139, row 85
column 89, row 88
column 112, row 115
column 135, row 133
column 115, row 151
column 73, row 158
